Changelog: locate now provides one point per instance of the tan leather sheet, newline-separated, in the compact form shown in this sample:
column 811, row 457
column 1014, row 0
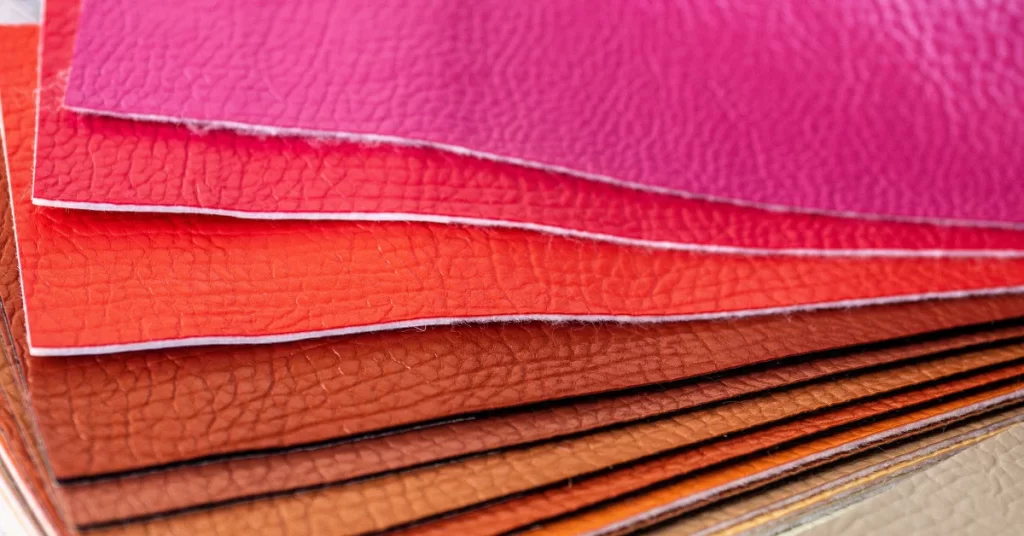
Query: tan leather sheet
column 581, row 493
column 677, row 498
column 401, row 498
column 797, row 499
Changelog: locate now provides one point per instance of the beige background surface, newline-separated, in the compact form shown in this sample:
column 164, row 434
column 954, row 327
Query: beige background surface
column 19, row 11
column 977, row 491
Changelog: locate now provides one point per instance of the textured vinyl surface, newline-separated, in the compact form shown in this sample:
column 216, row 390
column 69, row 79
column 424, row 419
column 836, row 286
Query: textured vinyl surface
column 175, row 169
column 377, row 504
column 112, row 282
column 907, row 109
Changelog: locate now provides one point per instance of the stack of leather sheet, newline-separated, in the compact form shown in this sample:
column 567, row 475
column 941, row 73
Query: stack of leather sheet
column 352, row 267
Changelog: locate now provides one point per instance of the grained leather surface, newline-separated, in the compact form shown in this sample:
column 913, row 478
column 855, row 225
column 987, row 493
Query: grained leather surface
column 400, row 498
column 353, row 276
column 643, row 510
column 907, row 109
column 87, row 406
column 586, row 492
column 296, row 179
column 150, row 492
column 221, row 171
column 762, row 511
column 84, row 440
column 978, row 491
column 244, row 280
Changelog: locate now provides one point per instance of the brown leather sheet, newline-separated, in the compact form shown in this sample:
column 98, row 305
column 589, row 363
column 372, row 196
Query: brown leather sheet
column 22, row 458
column 560, row 500
column 135, row 495
column 677, row 498
column 108, row 414
column 222, row 416
column 401, row 498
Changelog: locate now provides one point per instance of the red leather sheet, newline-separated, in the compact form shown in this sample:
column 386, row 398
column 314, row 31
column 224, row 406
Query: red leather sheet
column 110, row 282
column 109, row 164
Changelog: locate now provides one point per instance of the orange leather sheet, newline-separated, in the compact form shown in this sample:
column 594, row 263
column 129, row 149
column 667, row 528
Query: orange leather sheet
column 22, row 459
column 639, row 511
column 620, row 481
column 110, row 282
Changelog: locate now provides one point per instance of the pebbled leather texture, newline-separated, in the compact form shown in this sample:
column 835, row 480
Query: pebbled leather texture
column 977, row 491
column 534, row 361
column 69, row 394
column 282, row 177
column 907, row 110
column 641, row 511
column 356, row 385
column 586, row 492
column 796, row 499
column 244, row 281
column 399, row 498
column 229, row 478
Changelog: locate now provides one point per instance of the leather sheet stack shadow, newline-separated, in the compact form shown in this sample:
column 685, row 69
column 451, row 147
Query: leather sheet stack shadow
column 378, row 267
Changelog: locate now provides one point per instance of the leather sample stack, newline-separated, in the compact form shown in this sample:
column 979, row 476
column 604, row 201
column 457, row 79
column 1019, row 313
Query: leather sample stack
column 362, row 267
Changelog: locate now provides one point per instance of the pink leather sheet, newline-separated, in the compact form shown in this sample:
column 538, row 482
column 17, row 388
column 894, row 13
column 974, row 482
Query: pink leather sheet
column 100, row 282
column 902, row 109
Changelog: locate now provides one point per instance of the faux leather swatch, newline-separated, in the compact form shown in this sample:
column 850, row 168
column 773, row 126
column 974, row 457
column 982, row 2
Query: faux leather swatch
column 216, row 481
column 669, row 501
column 85, row 441
column 534, row 359
column 159, row 281
column 907, row 111
column 379, row 503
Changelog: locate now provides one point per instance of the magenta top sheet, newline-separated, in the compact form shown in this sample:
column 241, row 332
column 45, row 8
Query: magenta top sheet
column 909, row 109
